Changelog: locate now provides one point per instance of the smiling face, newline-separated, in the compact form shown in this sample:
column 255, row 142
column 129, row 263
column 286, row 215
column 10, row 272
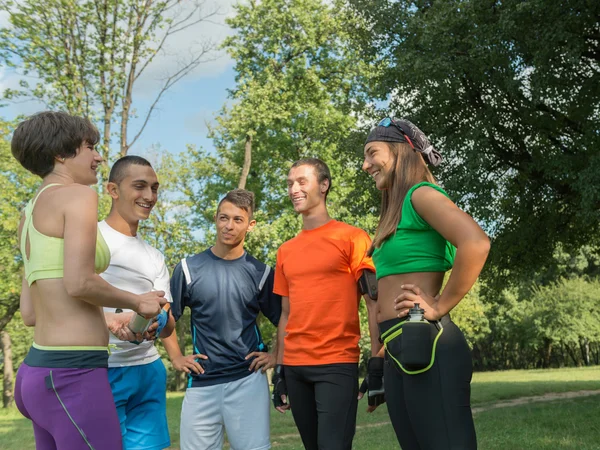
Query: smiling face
column 379, row 163
column 84, row 165
column 232, row 224
column 136, row 194
column 304, row 189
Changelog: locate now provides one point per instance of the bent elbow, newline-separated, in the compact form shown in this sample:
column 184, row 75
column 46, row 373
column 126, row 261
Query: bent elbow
column 28, row 320
column 485, row 246
column 76, row 287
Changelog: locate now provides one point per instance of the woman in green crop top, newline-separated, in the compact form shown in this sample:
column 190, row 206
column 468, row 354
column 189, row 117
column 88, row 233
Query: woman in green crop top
column 62, row 294
column 421, row 235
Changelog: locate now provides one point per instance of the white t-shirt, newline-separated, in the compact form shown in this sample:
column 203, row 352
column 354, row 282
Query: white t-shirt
column 135, row 267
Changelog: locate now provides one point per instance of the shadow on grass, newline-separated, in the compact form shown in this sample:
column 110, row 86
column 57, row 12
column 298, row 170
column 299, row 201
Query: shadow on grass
column 492, row 391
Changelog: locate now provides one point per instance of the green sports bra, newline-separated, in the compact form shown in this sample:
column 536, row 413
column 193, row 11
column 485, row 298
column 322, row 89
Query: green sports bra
column 416, row 246
column 46, row 253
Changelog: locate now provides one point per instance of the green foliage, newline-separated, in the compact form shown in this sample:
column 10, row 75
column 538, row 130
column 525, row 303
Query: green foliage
column 296, row 86
column 555, row 325
column 16, row 189
column 509, row 91
column 471, row 316
column 86, row 55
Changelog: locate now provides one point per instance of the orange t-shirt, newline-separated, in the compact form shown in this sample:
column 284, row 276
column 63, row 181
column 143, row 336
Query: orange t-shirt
column 318, row 270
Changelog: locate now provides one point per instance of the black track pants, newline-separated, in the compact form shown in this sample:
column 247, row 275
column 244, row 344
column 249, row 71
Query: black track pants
column 324, row 402
column 432, row 410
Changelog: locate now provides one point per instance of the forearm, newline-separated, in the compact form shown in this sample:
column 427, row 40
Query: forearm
column 169, row 327
column 96, row 291
column 373, row 328
column 468, row 263
column 280, row 337
column 172, row 346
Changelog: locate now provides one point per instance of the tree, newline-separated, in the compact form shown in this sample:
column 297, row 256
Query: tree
column 16, row 188
column 296, row 85
column 510, row 92
column 88, row 55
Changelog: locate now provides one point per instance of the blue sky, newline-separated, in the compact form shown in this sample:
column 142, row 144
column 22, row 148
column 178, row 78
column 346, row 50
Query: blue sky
column 181, row 116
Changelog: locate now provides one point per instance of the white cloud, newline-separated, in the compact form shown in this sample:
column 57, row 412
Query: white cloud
column 177, row 48
column 180, row 46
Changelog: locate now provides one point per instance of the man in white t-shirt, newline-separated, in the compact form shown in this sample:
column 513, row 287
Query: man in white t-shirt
column 137, row 375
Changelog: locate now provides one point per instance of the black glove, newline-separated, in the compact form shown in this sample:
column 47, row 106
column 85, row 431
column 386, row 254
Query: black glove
column 373, row 382
column 279, row 386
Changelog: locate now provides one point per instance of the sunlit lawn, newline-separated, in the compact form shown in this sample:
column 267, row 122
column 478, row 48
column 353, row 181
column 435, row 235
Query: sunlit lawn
column 564, row 424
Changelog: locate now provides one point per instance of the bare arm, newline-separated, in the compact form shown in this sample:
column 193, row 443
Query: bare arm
column 180, row 362
column 373, row 328
column 170, row 326
column 26, row 305
column 457, row 227
column 80, row 279
column 172, row 346
column 285, row 312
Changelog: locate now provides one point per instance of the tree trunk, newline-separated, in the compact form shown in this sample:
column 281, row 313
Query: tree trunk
column 584, row 344
column 7, row 392
column 572, row 355
column 547, row 352
column 12, row 303
column 247, row 162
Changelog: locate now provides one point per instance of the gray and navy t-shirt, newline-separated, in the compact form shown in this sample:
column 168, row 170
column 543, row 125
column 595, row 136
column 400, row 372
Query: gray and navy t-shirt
column 225, row 298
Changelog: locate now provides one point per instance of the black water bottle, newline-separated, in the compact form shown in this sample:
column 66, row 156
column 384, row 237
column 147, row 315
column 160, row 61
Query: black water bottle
column 416, row 340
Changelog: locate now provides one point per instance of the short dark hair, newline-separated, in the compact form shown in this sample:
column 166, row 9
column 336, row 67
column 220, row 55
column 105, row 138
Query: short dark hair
column 40, row 139
column 321, row 169
column 119, row 168
column 241, row 198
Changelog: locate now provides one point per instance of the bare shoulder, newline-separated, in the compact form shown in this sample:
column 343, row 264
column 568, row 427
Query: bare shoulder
column 426, row 198
column 427, row 193
column 79, row 194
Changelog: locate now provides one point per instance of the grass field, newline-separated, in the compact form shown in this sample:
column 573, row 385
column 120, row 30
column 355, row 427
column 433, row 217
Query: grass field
column 558, row 425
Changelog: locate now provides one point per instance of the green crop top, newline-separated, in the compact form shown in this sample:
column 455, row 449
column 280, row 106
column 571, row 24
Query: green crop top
column 46, row 253
column 416, row 246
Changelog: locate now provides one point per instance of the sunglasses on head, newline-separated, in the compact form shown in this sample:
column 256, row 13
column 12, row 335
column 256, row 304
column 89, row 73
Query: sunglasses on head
column 388, row 122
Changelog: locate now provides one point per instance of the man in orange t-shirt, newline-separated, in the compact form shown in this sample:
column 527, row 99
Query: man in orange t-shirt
column 316, row 275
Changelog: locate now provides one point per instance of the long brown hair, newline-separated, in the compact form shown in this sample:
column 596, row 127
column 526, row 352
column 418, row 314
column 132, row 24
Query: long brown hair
column 409, row 169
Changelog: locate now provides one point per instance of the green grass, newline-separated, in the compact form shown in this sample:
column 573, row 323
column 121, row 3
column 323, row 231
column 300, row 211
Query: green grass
column 564, row 424
column 489, row 387
column 561, row 425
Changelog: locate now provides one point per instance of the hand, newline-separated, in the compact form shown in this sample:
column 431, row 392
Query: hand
column 119, row 326
column 150, row 304
column 262, row 360
column 150, row 333
column 279, row 396
column 188, row 363
column 413, row 294
column 373, row 383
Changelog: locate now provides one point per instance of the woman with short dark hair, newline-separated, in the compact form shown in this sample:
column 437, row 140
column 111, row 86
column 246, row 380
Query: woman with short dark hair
column 62, row 385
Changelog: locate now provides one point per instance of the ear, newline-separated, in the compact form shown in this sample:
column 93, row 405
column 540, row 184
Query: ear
column 113, row 190
column 251, row 225
column 324, row 186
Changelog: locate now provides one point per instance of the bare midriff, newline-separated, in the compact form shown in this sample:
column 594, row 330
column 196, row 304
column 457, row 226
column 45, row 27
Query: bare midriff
column 389, row 288
column 61, row 320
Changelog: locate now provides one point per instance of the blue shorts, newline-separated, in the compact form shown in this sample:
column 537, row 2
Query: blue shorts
column 140, row 394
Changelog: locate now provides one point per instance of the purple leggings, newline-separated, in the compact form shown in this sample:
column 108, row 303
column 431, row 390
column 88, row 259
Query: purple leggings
column 70, row 408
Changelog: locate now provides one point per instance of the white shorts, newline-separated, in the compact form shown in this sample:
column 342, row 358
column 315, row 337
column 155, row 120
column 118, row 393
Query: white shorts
column 242, row 407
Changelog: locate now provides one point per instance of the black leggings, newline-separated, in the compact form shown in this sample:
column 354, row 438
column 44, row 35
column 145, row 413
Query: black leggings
column 432, row 410
column 324, row 402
